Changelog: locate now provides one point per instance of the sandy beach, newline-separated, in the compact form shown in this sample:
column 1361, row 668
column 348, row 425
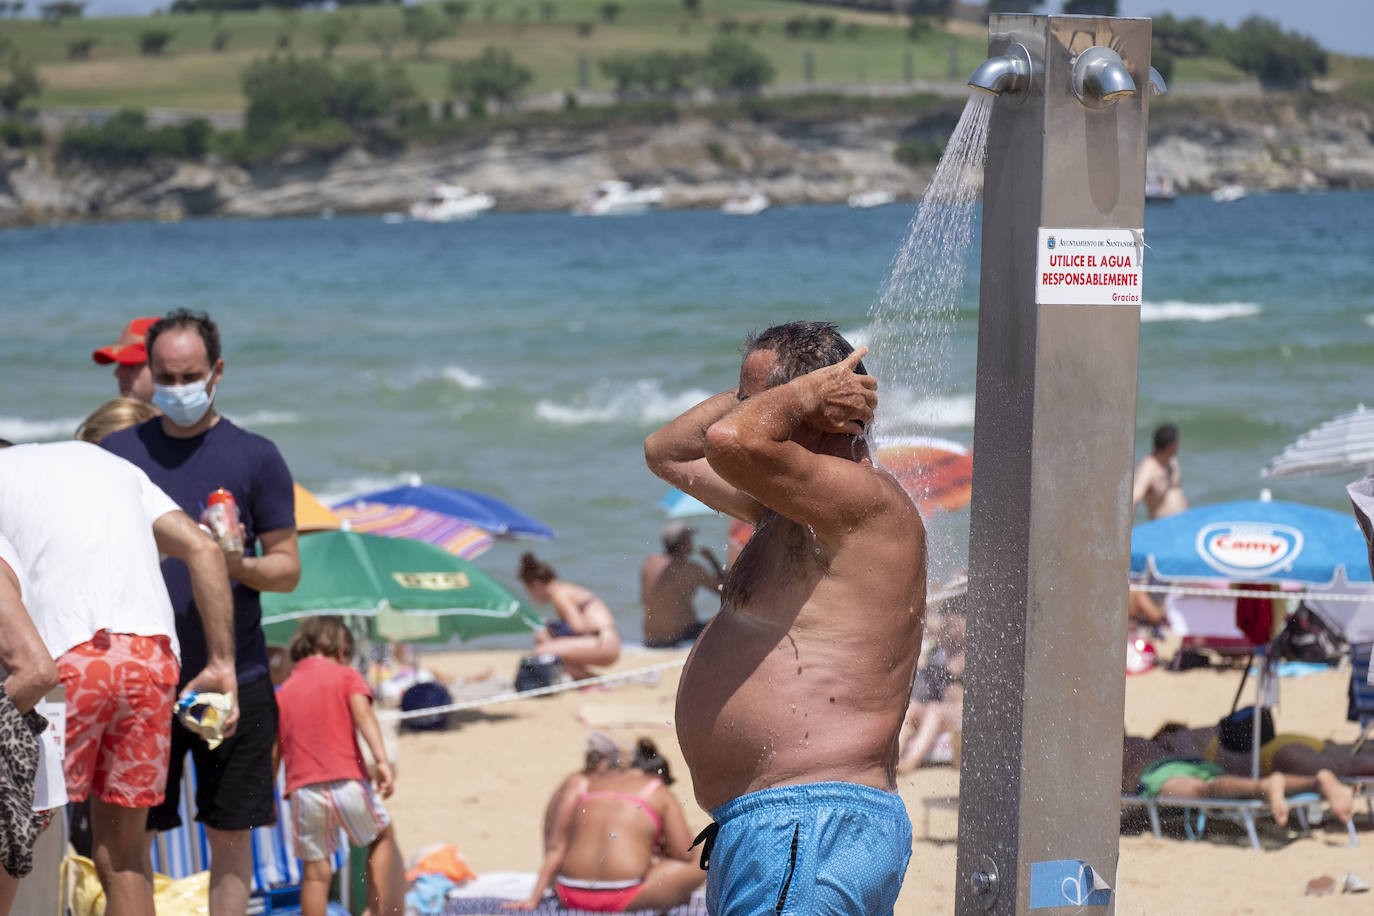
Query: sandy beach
column 482, row 785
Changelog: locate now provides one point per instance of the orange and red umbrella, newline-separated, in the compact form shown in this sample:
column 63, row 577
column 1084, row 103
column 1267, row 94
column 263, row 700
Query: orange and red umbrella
column 938, row 473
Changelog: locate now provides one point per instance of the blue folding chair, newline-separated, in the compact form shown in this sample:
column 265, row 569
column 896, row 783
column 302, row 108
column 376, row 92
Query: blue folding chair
column 185, row 851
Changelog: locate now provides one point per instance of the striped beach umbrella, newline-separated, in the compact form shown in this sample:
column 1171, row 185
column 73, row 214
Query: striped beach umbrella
column 416, row 524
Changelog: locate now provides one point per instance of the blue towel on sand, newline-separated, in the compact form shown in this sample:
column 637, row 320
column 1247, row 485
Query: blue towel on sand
column 428, row 894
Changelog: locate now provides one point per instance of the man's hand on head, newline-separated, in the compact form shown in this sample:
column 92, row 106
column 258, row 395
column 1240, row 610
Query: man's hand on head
column 839, row 399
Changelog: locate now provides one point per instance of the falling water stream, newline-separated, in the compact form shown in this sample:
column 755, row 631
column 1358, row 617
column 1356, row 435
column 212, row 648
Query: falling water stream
column 913, row 318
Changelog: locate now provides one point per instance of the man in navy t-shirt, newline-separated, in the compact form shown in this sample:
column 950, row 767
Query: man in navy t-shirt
column 189, row 452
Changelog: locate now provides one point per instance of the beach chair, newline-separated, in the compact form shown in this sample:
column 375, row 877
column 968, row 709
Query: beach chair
column 1361, row 690
column 184, row 851
column 1241, row 811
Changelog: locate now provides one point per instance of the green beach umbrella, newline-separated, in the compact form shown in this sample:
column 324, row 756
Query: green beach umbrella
column 404, row 591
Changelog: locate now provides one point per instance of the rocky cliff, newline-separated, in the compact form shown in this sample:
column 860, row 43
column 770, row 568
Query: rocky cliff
column 1268, row 144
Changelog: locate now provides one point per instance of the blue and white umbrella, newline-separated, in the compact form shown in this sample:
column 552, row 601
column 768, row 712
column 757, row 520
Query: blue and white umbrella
column 681, row 505
column 1255, row 541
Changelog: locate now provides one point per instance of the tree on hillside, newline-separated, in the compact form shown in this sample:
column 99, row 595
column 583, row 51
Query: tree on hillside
column 1261, row 46
column 152, row 42
column 80, row 48
column 692, row 8
column 651, row 71
column 289, row 94
column 425, row 26
column 1013, row 6
column 20, row 83
column 455, row 10
column 1191, row 37
column 548, row 11
column 495, row 75
column 333, row 29
column 1090, row 7
column 733, row 64
column 384, row 34
column 53, row 13
column 609, row 12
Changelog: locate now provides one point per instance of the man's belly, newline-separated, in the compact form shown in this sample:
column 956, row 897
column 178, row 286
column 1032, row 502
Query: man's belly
column 757, row 708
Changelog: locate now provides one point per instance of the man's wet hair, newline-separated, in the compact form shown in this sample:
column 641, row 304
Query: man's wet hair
column 801, row 347
column 1165, row 436
column 177, row 319
column 5, row 443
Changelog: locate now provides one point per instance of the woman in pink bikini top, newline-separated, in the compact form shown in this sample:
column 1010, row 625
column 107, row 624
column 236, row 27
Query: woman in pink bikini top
column 615, row 837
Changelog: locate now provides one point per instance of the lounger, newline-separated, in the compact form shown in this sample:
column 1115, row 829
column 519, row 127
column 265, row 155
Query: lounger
column 1363, row 786
column 1241, row 811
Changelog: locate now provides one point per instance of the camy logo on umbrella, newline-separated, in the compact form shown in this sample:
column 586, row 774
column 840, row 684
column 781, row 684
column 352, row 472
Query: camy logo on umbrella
column 1248, row 549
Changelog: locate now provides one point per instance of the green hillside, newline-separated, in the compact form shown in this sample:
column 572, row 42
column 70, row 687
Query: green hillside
column 561, row 41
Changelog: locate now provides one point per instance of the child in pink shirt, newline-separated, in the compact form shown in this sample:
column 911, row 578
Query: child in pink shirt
column 322, row 706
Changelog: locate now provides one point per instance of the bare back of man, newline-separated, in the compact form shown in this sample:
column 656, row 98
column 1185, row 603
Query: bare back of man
column 1159, row 484
column 796, row 690
column 666, row 586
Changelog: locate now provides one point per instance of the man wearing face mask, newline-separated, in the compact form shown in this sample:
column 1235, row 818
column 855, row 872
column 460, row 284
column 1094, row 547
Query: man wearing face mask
column 190, row 451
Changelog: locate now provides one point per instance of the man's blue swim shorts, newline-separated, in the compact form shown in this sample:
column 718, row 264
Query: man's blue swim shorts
column 827, row 847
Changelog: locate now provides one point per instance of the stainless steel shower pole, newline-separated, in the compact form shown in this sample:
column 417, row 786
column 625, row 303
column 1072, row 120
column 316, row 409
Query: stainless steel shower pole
column 1058, row 331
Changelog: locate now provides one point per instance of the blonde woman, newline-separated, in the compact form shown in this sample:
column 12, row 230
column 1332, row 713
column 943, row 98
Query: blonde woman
column 112, row 416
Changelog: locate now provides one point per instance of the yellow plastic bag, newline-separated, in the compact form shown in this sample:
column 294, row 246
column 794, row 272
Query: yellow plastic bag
column 189, row 896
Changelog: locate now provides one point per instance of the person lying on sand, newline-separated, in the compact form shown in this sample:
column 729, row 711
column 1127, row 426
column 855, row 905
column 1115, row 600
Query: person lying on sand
column 1286, row 752
column 1151, row 769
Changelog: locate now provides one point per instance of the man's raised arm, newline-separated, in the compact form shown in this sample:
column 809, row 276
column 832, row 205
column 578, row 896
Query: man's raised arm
column 753, row 448
column 178, row 536
column 32, row 672
column 677, row 453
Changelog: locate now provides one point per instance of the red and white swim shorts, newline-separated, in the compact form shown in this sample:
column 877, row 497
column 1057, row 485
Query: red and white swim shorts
column 120, row 691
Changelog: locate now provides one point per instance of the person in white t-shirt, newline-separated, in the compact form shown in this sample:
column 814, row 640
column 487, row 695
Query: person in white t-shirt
column 28, row 672
column 89, row 526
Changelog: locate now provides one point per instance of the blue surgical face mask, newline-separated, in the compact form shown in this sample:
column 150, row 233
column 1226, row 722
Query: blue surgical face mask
column 185, row 404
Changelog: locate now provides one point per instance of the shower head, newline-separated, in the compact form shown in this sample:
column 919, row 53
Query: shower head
column 1157, row 84
column 1100, row 79
column 1007, row 74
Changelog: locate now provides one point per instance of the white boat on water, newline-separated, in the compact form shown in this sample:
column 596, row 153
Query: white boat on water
column 1228, row 193
column 1159, row 189
column 746, row 202
column 447, row 202
column 618, row 198
column 865, row 200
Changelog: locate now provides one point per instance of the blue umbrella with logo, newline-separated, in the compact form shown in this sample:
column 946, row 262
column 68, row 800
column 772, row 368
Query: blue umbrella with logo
column 1255, row 541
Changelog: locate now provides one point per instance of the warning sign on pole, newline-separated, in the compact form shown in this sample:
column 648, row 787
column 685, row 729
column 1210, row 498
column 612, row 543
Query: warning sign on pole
column 1089, row 266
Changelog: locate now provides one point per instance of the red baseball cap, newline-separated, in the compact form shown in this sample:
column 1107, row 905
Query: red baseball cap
column 128, row 349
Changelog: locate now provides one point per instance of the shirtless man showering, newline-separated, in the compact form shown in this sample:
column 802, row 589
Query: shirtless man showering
column 790, row 703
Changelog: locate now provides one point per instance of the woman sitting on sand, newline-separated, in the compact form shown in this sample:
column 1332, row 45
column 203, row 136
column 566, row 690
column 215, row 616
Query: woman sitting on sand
column 937, row 694
column 615, row 838
column 584, row 633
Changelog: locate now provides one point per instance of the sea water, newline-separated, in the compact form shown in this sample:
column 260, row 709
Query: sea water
column 527, row 355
